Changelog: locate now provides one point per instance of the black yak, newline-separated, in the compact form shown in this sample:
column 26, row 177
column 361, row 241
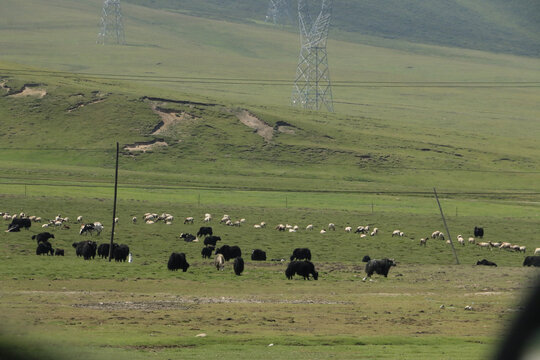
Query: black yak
column 187, row 237
column 258, row 255
column 120, row 253
column 238, row 266
column 20, row 223
column 177, row 261
column 478, row 232
column 59, row 252
column 211, row 240
column 486, row 263
column 44, row 248
column 301, row 254
column 380, row 267
column 41, row 237
column 532, row 261
column 302, row 268
column 204, row 230
column 206, row 252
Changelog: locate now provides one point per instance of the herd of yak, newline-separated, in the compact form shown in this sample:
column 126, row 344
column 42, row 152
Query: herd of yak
column 300, row 260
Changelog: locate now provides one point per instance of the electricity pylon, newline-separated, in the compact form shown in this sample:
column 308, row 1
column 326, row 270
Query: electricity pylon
column 278, row 12
column 312, row 87
column 112, row 25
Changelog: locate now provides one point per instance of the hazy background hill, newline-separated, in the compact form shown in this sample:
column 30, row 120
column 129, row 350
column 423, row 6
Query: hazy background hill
column 497, row 26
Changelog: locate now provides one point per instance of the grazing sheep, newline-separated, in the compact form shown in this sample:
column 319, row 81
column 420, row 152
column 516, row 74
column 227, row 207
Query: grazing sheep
column 471, row 240
column 134, row 220
column 257, row 226
column 309, row 227
column 189, row 220
column 483, row 244
column 263, row 224
column 280, row 227
column 331, row 226
column 396, row 233
column 323, row 231
column 423, row 241
column 348, row 229
column 537, row 251
column 219, row 262
column 79, row 218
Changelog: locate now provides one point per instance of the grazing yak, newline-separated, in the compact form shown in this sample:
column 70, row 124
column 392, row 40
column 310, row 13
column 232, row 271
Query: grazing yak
column 177, row 261
column 219, row 262
column 86, row 249
column 229, row 252
column 206, row 252
column 120, row 253
column 103, row 249
column 486, row 263
column 532, row 261
column 42, row 237
column 211, row 240
column 20, row 223
column 478, row 232
column 258, row 255
column 301, row 254
column 238, row 266
column 44, row 248
column 188, row 237
column 380, row 267
column 204, row 230
column 59, row 252
column 302, row 268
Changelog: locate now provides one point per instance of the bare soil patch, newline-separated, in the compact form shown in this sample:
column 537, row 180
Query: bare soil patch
column 145, row 146
column 260, row 127
column 169, row 118
column 185, row 303
column 30, row 91
column 4, row 86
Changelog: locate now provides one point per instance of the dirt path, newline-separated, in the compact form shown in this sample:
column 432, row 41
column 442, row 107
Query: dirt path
column 146, row 146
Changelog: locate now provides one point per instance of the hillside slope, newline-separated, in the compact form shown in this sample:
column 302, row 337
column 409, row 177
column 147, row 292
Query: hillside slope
column 497, row 26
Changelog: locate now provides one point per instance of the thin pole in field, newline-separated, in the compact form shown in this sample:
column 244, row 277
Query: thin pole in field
column 114, row 206
column 446, row 227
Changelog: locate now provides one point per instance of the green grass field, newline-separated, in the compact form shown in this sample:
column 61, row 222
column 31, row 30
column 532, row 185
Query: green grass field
column 409, row 117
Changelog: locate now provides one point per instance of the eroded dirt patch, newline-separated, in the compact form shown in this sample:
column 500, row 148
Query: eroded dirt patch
column 169, row 118
column 145, row 146
column 3, row 86
column 30, row 91
column 83, row 104
column 260, row 127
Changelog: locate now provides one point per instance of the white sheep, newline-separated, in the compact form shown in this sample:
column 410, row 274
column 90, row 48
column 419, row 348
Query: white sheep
column 537, row 251
column 257, row 226
column 396, row 233
column 348, row 229
column 134, row 220
column 323, row 231
column 309, row 227
column 263, row 224
column 331, row 226
column 189, row 220
column 471, row 240
column 423, row 241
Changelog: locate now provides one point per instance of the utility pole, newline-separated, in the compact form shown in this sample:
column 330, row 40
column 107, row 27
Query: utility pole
column 114, row 206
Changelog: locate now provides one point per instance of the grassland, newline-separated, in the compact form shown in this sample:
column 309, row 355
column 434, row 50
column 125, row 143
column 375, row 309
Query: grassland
column 409, row 117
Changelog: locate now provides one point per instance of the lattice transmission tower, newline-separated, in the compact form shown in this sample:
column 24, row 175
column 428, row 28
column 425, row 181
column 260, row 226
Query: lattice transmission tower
column 278, row 12
column 112, row 25
column 312, row 87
